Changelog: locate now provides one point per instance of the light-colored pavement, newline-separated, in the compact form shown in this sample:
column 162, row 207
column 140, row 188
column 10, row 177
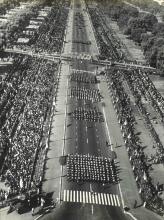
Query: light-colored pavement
column 53, row 172
column 128, row 186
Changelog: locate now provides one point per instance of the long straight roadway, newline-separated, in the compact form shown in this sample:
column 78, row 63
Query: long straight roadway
column 78, row 200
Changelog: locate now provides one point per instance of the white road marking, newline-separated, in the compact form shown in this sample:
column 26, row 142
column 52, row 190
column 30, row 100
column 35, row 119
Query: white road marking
column 99, row 199
column 111, row 197
column 71, row 196
column 118, row 202
column 86, row 197
column 93, row 198
column 80, row 196
column 64, row 197
column 74, row 195
column 83, row 196
column 67, row 195
column 77, row 196
column 115, row 201
column 90, row 199
column 105, row 199
column 102, row 198
column 96, row 198
column 108, row 197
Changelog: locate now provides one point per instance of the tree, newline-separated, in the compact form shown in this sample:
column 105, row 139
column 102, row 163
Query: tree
column 160, row 59
column 149, row 20
column 137, row 33
column 158, row 29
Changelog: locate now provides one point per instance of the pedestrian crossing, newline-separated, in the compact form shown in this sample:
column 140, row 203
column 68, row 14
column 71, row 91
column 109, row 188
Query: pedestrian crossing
column 91, row 198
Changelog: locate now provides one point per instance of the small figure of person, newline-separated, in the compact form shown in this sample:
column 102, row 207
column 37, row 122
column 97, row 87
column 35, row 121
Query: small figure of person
column 32, row 210
column 42, row 202
column 135, row 204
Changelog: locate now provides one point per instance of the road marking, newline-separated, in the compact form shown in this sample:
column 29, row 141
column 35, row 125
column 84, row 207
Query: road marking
column 91, row 198
column 105, row 199
column 80, row 196
column 74, row 195
column 64, row 195
column 102, row 198
column 83, row 196
column 118, row 202
column 99, row 199
column 77, row 196
column 115, row 202
column 86, row 197
column 71, row 196
column 96, row 198
column 111, row 198
column 67, row 195
column 108, row 198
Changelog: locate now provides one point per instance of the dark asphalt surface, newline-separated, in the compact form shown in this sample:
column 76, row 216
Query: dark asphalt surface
column 85, row 141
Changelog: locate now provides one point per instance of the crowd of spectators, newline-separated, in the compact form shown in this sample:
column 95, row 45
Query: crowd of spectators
column 27, row 95
column 141, row 86
column 109, row 49
column 139, row 160
column 49, row 36
column 52, row 31
column 26, row 99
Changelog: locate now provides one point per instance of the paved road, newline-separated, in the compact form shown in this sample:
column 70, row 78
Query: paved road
column 86, row 138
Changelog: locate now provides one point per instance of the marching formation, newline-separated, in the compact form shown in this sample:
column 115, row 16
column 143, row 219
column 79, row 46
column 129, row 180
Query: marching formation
column 83, row 77
column 87, row 94
column 92, row 115
column 90, row 168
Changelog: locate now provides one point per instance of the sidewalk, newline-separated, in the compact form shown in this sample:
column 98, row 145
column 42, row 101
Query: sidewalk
column 127, row 184
column 53, row 170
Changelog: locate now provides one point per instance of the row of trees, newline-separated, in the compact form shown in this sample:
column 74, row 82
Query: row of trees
column 141, row 27
column 149, row 5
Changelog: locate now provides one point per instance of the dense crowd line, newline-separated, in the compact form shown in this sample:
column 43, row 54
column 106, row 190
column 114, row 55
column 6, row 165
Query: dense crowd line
column 140, row 88
column 91, row 169
column 26, row 98
column 139, row 160
column 50, row 32
column 32, row 85
column 107, row 47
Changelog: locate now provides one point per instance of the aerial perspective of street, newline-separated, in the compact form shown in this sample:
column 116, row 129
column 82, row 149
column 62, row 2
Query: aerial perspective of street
column 82, row 109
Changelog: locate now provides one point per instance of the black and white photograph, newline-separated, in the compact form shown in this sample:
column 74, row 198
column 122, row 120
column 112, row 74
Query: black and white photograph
column 81, row 109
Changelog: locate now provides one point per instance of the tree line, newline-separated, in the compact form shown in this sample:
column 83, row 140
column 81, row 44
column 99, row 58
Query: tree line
column 143, row 28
